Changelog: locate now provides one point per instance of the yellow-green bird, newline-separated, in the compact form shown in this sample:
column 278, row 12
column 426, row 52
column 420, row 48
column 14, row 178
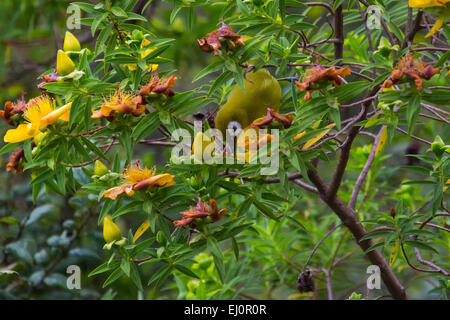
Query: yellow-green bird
column 262, row 91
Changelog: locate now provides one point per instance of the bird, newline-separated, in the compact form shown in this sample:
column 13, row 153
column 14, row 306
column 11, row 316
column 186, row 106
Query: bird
column 262, row 91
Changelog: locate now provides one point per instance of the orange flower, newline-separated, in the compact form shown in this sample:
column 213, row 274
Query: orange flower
column 408, row 67
column 200, row 211
column 137, row 178
column 214, row 40
column 120, row 102
column 14, row 161
column 273, row 117
column 159, row 86
column 53, row 77
column 316, row 77
column 11, row 109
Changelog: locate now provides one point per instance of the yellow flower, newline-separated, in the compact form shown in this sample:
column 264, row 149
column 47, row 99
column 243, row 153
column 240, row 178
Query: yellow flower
column 137, row 178
column 71, row 42
column 39, row 113
column 121, row 102
column 64, row 65
column 111, row 231
column 427, row 3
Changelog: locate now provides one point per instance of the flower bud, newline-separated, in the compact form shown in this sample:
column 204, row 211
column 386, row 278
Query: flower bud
column 99, row 168
column 111, row 231
column 71, row 43
column 438, row 146
column 160, row 237
column 64, row 65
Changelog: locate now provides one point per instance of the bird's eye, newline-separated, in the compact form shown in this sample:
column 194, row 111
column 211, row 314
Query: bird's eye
column 235, row 128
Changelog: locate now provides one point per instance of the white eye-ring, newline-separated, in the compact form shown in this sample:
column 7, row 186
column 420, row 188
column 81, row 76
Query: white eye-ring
column 234, row 128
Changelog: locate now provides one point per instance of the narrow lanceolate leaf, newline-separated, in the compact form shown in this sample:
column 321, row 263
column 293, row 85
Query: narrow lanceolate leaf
column 186, row 271
column 394, row 252
column 140, row 231
column 412, row 111
column 382, row 141
column 312, row 141
column 421, row 245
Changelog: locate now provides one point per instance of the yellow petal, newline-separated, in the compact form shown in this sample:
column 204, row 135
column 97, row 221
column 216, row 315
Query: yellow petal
column 71, row 42
column 60, row 113
column 140, row 231
column 427, row 3
column 21, row 133
column 64, row 65
column 437, row 26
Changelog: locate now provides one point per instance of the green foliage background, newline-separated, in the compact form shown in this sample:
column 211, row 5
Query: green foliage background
column 248, row 255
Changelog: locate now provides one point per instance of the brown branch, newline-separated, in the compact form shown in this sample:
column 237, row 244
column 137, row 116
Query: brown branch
column 430, row 264
column 414, row 137
column 416, row 27
column 345, row 150
column 350, row 220
column 365, row 169
column 323, row 4
column 339, row 33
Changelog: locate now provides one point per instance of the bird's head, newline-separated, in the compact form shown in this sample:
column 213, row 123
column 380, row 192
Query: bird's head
column 231, row 118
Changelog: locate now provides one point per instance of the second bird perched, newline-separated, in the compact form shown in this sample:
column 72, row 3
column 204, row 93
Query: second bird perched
column 262, row 91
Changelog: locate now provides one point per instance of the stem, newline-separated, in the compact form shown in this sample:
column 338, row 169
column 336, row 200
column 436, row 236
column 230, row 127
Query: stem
column 339, row 33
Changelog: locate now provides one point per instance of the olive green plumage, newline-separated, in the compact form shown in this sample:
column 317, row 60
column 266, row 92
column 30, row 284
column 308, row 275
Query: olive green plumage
column 262, row 91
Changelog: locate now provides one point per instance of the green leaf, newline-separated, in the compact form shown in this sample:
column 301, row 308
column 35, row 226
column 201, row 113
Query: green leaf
column 9, row 147
column 421, row 245
column 174, row 12
column 115, row 275
column 265, row 210
column 94, row 148
column 213, row 246
column 97, row 22
column 160, row 275
column 146, row 126
column 442, row 60
column 119, row 12
column 235, row 248
column 375, row 246
column 107, row 205
column 186, row 271
column 125, row 265
column 412, row 111
column 134, row 206
column 213, row 67
column 376, row 234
